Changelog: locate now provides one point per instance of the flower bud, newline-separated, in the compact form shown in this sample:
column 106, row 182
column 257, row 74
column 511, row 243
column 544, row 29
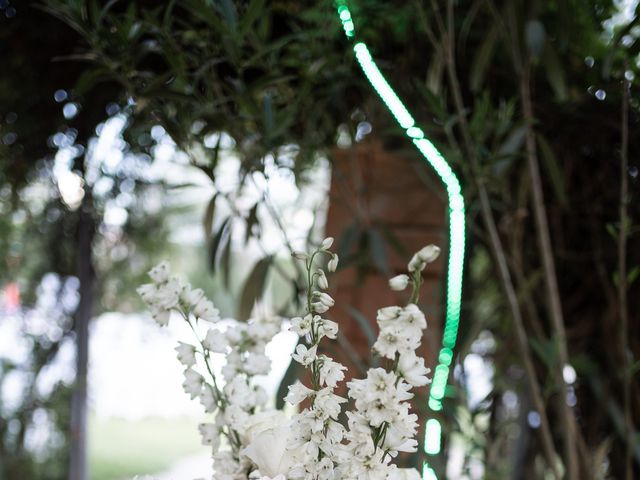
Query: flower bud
column 399, row 282
column 324, row 298
column 429, row 253
column 326, row 243
column 423, row 257
column 323, row 283
column 332, row 266
column 319, row 307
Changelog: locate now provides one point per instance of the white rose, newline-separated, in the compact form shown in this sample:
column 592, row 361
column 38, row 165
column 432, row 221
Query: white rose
column 268, row 451
column 263, row 421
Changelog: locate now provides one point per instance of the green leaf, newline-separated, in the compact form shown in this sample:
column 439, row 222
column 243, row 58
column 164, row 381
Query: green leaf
column 513, row 142
column 252, row 220
column 633, row 275
column 545, row 351
column 215, row 243
column 207, row 219
column 229, row 13
column 267, row 113
column 535, row 37
column 254, row 287
column 378, row 251
column 347, row 240
column 255, row 10
column 225, row 261
column 552, row 167
column 364, row 325
column 555, row 72
column 482, row 59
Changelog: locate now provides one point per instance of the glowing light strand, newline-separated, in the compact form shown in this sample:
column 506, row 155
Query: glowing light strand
column 434, row 158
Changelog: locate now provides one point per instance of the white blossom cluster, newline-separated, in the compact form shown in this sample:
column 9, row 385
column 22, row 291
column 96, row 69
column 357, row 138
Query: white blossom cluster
column 250, row 442
column 315, row 441
column 234, row 401
column 382, row 425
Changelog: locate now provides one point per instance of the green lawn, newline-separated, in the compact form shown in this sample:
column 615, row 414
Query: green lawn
column 121, row 448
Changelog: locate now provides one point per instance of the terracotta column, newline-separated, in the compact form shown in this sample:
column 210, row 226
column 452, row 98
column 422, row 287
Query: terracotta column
column 396, row 195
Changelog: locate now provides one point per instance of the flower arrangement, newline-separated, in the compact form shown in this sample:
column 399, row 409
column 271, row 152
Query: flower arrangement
column 251, row 441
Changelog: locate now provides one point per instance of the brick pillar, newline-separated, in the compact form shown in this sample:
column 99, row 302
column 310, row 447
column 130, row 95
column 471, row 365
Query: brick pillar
column 371, row 187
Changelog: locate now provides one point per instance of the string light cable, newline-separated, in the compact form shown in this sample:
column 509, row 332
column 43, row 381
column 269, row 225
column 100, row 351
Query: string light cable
column 456, row 215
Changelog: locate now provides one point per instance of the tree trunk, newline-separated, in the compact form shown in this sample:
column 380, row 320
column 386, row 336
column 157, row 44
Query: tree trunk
column 78, row 447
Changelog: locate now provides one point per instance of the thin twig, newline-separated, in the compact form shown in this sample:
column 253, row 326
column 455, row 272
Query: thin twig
column 568, row 419
column 622, row 275
column 500, row 256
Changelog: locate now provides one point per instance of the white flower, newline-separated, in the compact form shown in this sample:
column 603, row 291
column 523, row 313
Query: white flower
column 263, row 421
column 190, row 297
column 388, row 343
column 160, row 273
column 186, row 354
column 206, row 311
column 208, row 399
column 388, row 315
column 215, row 341
column 399, row 282
column 210, row 434
column 297, row 393
column 303, row 355
column 301, row 325
column 413, row 318
column 147, row 292
column 193, row 382
column 412, row 369
column 423, row 257
column 326, row 243
column 161, row 316
column 236, row 418
column 326, row 328
column 257, row 364
column 323, row 283
column 168, row 294
column 331, row 372
column 268, row 451
column 299, row 255
column 328, row 402
column 332, row 266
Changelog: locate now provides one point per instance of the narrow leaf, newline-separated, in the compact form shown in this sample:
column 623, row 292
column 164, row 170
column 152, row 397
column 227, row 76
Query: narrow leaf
column 215, row 244
column 513, row 142
column 482, row 59
column 207, row 219
column 225, row 260
column 378, row 251
column 254, row 287
column 552, row 167
column 364, row 324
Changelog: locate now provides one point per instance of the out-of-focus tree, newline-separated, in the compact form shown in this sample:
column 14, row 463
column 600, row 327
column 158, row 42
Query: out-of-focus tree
column 533, row 102
column 73, row 214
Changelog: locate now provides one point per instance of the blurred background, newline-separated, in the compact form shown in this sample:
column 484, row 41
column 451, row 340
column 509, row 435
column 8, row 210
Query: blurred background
column 222, row 134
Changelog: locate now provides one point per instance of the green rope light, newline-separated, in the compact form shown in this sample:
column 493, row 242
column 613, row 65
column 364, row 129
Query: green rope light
column 433, row 428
